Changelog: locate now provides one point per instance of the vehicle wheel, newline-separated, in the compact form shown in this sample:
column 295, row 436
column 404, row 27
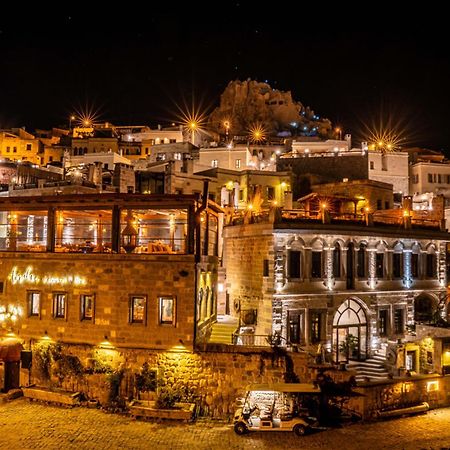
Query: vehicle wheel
column 240, row 428
column 300, row 430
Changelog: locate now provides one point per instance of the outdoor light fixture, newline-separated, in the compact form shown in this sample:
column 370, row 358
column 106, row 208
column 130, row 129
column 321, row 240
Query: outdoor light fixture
column 129, row 234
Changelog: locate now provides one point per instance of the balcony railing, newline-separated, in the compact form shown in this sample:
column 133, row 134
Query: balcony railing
column 250, row 339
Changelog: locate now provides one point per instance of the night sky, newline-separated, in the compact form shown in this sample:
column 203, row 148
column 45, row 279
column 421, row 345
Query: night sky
column 134, row 64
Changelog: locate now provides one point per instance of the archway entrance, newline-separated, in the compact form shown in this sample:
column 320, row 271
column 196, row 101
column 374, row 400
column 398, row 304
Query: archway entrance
column 425, row 308
column 350, row 331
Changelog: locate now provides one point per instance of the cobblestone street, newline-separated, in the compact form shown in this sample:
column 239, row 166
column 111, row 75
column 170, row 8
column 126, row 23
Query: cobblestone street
column 27, row 425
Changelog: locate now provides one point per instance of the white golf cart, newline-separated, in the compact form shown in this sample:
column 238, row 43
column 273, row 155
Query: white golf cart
column 277, row 407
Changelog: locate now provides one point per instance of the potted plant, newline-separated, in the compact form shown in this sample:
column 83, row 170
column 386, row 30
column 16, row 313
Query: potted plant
column 349, row 347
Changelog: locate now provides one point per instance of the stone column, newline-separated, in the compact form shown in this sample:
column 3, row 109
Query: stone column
column 371, row 267
column 407, row 272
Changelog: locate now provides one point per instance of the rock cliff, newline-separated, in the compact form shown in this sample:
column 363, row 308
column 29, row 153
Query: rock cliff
column 245, row 104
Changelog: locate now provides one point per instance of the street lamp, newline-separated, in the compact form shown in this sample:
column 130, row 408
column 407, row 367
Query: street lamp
column 192, row 126
column 226, row 124
column 70, row 122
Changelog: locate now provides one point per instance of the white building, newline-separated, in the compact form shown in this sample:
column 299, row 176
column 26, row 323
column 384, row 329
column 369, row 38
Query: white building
column 390, row 167
column 237, row 158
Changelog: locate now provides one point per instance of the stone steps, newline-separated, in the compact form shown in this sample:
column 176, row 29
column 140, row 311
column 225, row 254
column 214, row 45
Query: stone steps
column 372, row 369
column 222, row 331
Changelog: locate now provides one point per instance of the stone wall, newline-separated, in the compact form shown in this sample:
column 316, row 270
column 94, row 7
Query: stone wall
column 325, row 169
column 112, row 278
column 245, row 249
column 376, row 397
column 213, row 379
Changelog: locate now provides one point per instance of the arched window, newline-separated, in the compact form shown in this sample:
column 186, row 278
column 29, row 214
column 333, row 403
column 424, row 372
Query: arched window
column 379, row 261
column 397, row 261
column 415, row 258
column 351, row 265
column 361, row 269
column 316, row 260
column 431, row 262
column 424, row 308
column 337, row 260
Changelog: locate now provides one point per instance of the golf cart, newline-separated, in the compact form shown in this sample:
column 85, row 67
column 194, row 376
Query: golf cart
column 278, row 407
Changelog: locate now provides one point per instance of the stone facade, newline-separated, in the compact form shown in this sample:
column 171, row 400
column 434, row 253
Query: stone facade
column 113, row 280
column 315, row 273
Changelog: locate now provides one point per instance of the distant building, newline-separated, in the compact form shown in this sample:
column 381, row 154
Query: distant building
column 18, row 145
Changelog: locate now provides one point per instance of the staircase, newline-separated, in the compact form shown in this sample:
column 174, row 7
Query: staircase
column 223, row 330
column 372, row 369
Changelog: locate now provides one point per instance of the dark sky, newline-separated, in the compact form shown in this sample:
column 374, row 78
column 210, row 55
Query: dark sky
column 134, row 63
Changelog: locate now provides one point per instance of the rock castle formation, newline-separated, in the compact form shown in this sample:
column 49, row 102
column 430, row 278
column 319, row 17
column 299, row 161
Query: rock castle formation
column 246, row 104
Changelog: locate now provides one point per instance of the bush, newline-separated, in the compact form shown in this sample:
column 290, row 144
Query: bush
column 146, row 380
column 167, row 397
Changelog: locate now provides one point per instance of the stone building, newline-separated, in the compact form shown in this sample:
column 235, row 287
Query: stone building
column 349, row 283
column 138, row 270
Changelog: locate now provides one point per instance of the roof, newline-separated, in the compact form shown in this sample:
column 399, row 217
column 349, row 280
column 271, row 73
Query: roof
column 284, row 387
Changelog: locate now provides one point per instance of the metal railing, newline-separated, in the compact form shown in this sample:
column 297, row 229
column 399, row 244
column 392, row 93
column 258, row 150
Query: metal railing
column 250, row 339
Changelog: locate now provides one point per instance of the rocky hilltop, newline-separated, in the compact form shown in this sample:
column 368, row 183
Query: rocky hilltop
column 245, row 104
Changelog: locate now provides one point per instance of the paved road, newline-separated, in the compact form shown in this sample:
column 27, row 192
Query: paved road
column 30, row 425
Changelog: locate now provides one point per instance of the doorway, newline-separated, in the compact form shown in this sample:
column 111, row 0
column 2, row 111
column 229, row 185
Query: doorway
column 350, row 331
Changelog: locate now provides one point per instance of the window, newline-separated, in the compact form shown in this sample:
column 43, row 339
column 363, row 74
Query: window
column 296, row 327
column 316, row 326
column 50, row 158
column 266, row 268
column 439, row 178
column 386, row 205
column 34, row 303
column 397, row 265
column 337, row 261
column 172, row 141
column 167, row 310
column 379, row 263
column 237, row 163
column 28, row 147
column 361, row 269
column 294, row 264
column 379, row 204
column 137, row 308
column 430, row 178
column 87, row 307
column 398, row 321
column 383, row 322
column 8, row 149
column 177, row 156
column 431, row 265
column 214, row 163
column 316, row 264
column 372, row 165
column 270, row 193
column 448, row 179
column 415, row 265
column 59, row 306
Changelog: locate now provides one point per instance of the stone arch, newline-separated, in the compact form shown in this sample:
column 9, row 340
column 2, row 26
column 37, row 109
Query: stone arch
column 318, row 244
column 425, row 308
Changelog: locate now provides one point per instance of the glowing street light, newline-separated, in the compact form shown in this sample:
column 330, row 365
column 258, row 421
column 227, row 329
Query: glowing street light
column 338, row 130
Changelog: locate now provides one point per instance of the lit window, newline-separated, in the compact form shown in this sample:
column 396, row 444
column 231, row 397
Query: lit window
column 59, row 306
column 214, row 163
column 167, row 310
column 137, row 308
column 237, row 163
column 177, row 156
column 87, row 307
column 34, row 303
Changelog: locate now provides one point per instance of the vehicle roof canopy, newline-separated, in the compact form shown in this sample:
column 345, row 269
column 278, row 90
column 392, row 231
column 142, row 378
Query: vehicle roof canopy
column 305, row 388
